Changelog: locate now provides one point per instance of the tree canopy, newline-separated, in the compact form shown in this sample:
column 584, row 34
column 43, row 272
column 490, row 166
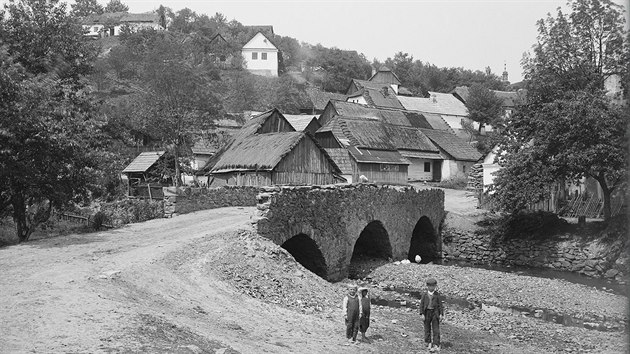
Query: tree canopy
column 569, row 127
column 116, row 6
column 47, row 134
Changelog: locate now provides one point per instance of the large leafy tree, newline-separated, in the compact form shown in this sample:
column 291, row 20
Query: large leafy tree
column 484, row 107
column 569, row 128
column 116, row 6
column 46, row 134
column 82, row 8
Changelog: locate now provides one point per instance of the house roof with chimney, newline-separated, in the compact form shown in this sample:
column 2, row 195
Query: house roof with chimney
column 437, row 102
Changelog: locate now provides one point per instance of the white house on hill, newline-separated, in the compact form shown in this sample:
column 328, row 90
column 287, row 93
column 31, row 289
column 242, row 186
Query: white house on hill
column 260, row 56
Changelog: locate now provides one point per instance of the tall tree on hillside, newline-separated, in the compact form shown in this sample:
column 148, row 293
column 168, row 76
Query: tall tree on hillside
column 46, row 133
column 178, row 102
column 569, row 128
column 116, row 6
column 484, row 107
column 82, row 8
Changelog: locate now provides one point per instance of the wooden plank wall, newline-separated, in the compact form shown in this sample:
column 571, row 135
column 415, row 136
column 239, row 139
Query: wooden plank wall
column 305, row 164
column 374, row 173
column 275, row 124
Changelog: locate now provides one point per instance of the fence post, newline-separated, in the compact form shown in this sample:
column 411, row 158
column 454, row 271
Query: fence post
column 149, row 188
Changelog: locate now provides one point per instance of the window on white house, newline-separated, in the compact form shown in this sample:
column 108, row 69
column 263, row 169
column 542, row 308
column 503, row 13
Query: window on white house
column 254, row 56
column 427, row 167
column 263, row 56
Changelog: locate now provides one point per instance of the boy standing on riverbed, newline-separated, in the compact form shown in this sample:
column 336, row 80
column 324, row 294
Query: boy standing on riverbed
column 352, row 312
column 431, row 308
column 364, row 321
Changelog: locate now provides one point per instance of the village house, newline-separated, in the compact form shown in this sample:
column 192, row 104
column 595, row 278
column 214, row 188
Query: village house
column 447, row 107
column 391, row 116
column 268, row 151
column 318, row 100
column 260, row 55
column 457, row 155
column 112, row 23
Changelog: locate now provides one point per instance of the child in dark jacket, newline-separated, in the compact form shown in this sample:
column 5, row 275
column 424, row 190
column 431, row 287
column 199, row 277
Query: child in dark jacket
column 364, row 322
column 352, row 312
column 431, row 308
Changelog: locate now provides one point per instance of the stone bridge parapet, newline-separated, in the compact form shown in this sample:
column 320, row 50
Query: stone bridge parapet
column 325, row 226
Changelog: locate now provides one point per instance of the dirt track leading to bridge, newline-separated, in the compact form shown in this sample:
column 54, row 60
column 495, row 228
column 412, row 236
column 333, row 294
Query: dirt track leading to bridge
column 206, row 283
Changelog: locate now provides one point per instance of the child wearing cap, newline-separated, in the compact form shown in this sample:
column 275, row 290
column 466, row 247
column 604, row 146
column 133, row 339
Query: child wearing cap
column 364, row 322
column 352, row 313
column 431, row 308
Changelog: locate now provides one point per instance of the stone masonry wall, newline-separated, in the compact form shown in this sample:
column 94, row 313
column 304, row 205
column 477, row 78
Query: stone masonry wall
column 592, row 259
column 334, row 216
column 182, row 200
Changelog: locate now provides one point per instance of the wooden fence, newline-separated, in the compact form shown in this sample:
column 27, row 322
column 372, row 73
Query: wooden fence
column 146, row 192
column 78, row 219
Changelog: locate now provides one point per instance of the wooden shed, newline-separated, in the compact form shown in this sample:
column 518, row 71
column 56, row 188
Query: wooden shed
column 140, row 181
column 268, row 151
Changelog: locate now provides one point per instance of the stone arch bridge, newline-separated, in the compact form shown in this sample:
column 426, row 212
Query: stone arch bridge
column 323, row 227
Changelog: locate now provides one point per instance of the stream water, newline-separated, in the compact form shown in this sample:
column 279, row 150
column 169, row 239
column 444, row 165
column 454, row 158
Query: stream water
column 411, row 299
column 576, row 278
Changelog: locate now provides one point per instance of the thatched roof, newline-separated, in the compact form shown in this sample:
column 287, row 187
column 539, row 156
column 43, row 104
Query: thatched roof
column 387, row 115
column 362, row 155
column 259, row 152
column 319, row 98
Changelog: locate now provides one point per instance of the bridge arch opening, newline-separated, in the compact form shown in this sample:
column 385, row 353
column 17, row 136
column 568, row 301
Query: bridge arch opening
column 306, row 252
column 371, row 250
column 424, row 242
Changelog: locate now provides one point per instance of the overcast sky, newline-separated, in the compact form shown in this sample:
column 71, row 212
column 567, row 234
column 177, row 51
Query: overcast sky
column 448, row 33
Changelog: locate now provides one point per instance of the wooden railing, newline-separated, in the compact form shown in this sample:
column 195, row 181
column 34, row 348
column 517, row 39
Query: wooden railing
column 78, row 219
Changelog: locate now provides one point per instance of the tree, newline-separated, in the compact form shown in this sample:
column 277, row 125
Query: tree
column 569, row 129
column 484, row 107
column 116, row 6
column 178, row 100
column 46, row 160
column 82, row 8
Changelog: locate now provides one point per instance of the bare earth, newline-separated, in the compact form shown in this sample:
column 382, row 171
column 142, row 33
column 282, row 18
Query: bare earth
column 206, row 283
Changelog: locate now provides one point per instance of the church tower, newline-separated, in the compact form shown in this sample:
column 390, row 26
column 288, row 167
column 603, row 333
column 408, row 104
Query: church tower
column 504, row 77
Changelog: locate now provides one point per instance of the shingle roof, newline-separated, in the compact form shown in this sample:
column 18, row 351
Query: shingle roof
column 341, row 158
column 320, row 98
column 440, row 103
column 144, row 161
column 437, row 122
column 260, row 152
column 387, row 115
column 377, row 94
column 377, row 156
column 299, row 122
column 454, row 146
column 374, row 134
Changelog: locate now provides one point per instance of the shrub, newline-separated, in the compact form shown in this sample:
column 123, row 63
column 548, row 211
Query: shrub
column 527, row 225
column 457, row 182
column 132, row 210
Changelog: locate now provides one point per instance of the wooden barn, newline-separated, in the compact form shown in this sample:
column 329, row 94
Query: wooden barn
column 268, row 151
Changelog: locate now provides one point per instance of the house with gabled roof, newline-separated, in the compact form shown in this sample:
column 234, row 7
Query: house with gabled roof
column 458, row 155
column 260, row 55
column 373, row 94
column 447, row 107
column 318, row 100
column 268, row 151
column 384, row 153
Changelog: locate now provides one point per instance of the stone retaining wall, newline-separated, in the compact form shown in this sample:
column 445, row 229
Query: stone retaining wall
column 593, row 258
column 182, row 200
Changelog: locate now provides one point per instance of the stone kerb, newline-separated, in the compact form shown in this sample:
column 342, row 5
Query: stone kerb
column 334, row 216
column 182, row 200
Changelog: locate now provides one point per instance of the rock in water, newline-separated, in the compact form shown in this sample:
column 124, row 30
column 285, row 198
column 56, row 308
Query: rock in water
column 418, row 258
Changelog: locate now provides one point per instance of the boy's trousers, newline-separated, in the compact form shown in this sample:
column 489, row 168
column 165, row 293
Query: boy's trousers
column 431, row 324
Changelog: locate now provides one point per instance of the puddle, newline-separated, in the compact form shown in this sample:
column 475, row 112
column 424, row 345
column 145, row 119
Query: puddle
column 402, row 298
column 607, row 285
